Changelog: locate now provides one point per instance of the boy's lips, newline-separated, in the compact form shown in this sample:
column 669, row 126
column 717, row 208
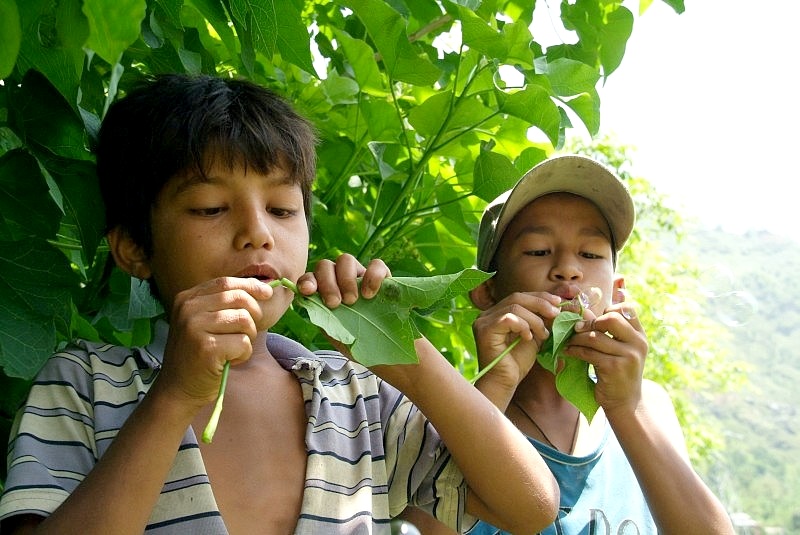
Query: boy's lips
column 567, row 292
column 262, row 272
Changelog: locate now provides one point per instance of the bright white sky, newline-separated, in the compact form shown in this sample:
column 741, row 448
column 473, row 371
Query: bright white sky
column 706, row 99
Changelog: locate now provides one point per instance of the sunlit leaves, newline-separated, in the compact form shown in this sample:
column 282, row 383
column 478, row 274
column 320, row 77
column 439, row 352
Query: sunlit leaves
column 114, row 26
column 387, row 29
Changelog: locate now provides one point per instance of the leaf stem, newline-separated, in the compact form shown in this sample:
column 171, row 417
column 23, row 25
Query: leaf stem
column 211, row 427
column 497, row 359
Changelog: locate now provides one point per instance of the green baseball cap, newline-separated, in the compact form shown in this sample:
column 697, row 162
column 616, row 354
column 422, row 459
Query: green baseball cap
column 569, row 173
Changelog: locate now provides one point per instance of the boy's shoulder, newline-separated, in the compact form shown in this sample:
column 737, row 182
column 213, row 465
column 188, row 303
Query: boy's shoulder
column 293, row 355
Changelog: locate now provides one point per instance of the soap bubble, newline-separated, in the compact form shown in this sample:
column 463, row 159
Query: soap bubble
column 628, row 308
column 730, row 305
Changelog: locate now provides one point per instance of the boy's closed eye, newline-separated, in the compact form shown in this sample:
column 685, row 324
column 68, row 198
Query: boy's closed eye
column 537, row 252
column 282, row 213
column 207, row 212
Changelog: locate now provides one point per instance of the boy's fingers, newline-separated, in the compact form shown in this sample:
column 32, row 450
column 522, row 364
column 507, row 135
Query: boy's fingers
column 327, row 284
column 372, row 278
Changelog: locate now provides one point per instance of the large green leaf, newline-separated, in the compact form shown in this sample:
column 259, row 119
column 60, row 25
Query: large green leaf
column 11, row 33
column 362, row 59
column 26, row 208
column 493, row 174
column 275, row 26
column 46, row 121
column 534, row 105
column 388, row 30
column 381, row 330
column 35, row 286
column 114, row 26
column 49, row 33
column 477, row 34
column 293, row 39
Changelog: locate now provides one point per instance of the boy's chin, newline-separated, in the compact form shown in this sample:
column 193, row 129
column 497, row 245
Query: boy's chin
column 270, row 315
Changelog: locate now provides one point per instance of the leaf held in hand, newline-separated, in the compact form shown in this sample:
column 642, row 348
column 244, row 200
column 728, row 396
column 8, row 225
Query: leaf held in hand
column 381, row 330
column 572, row 380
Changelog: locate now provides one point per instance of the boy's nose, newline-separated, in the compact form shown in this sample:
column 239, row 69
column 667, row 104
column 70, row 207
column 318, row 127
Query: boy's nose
column 565, row 270
column 254, row 231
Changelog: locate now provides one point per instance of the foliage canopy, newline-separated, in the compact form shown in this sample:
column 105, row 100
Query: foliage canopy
column 426, row 110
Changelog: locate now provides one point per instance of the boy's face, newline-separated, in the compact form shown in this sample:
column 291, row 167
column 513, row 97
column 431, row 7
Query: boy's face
column 561, row 244
column 237, row 223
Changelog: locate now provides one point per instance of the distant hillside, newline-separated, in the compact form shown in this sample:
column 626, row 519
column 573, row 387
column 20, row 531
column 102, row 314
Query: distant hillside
column 756, row 278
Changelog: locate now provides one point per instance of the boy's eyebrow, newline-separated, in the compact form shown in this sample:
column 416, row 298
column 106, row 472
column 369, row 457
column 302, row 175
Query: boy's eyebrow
column 189, row 181
column 545, row 230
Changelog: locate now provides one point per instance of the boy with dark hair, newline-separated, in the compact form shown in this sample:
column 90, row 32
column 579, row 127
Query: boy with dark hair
column 553, row 238
column 207, row 184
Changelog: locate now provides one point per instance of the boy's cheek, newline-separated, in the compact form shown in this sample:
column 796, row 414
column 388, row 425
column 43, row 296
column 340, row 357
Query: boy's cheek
column 273, row 308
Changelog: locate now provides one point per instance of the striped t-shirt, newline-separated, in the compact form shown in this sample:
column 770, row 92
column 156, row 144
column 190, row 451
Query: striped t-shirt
column 370, row 451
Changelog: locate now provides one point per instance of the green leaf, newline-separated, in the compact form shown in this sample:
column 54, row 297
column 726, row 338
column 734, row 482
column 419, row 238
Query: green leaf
column 26, row 208
column 493, row 175
column 388, row 31
column 46, row 121
column 293, row 40
column 477, row 34
column 114, row 26
column 533, row 104
column 381, row 330
column 11, row 30
column 613, row 39
column 428, row 117
column 587, row 108
column 35, row 287
column 519, row 38
column 362, row 59
column 572, row 380
column 48, row 46
column 569, row 77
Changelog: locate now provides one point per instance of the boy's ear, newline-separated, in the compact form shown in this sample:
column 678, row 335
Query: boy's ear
column 482, row 295
column 128, row 254
column 618, row 291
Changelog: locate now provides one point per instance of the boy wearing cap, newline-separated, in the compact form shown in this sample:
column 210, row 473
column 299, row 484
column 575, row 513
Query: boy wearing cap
column 553, row 238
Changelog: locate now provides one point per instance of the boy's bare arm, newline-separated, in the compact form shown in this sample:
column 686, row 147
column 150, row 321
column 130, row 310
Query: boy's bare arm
column 510, row 485
column 644, row 421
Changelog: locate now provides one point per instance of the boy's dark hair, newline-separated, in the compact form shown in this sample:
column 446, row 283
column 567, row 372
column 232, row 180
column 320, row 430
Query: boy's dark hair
column 175, row 124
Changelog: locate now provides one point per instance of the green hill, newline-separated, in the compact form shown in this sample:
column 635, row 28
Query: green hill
column 753, row 282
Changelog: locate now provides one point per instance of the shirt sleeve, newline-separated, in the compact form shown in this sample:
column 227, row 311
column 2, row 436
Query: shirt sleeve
column 422, row 472
column 53, row 443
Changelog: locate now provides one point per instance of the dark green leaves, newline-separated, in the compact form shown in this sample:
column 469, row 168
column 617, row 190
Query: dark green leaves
column 35, row 285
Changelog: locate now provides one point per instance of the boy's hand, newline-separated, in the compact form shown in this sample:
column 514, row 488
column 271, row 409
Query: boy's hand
column 211, row 323
column 523, row 315
column 337, row 282
column 616, row 345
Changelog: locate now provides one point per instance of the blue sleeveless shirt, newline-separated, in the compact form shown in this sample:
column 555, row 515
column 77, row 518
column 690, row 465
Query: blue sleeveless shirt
column 599, row 493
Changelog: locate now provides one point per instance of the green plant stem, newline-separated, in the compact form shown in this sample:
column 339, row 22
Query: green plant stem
column 211, row 427
column 213, row 421
column 497, row 359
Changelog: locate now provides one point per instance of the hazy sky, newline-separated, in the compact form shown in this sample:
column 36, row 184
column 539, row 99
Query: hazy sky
column 705, row 98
